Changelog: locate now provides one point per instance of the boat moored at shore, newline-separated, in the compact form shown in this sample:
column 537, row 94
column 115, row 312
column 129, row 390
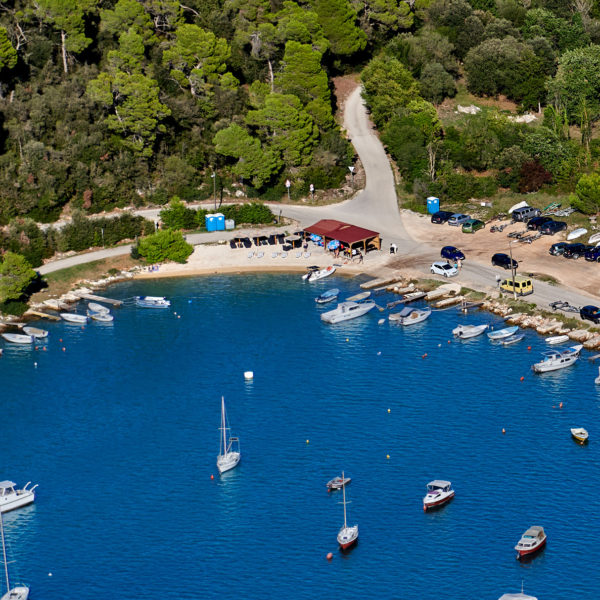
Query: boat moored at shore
column 532, row 541
column 347, row 310
column 438, row 493
column 500, row 334
column 410, row 316
column 558, row 359
column 11, row 497
column 18, row 338
column 35, row 332
column 468, row 331
column 74, row 318
column 327, row 296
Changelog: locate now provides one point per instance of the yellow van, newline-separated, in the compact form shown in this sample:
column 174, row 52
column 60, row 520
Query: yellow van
column 523, row 285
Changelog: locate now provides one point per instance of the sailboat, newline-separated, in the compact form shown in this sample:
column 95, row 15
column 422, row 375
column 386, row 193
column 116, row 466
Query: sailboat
column 228, row 457
column 347, row 536
column 16, row 593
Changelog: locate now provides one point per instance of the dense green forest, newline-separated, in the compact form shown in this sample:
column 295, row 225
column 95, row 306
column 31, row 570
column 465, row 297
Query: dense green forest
column 127, row 102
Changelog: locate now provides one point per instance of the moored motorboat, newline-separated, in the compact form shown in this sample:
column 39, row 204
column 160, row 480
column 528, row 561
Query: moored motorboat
column 410, row 316
column 503, row 333
column 327, row 296
column 533, row 540
column 35, row 332
column 229, row 451
column 513, row 339
column 347, row 310
column 346, row 536
column 320, row 274
column 11, row 497
column 468, row 331
column 102, row 317
column 98, row 308
column 18, row 338
column 74, row 318
column 337, row 483
column 152, row 302
column 558, row 359
column 438, row 493
column 556, row 339
column 580, row 435
column 518, row 596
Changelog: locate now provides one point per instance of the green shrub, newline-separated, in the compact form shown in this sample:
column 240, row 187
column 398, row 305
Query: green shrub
column 178, row 216
column 164, row 245
column 14, row 307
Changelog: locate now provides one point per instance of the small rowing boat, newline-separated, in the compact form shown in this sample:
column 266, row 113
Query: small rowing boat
column 503, row 333
column 513, row 339
column 18, row 338
column 580, row 435
column 468, row 331
column 73, row 318
column 556, row 339
column 327, row 296
column 358, row 297
column 98, row 308
column 101, row 317
column 35, row 332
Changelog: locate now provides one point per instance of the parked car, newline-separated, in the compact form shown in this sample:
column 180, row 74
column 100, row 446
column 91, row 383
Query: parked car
column 590, row 313
column 525, row 213
column 472, row 225
column 458, row 219
column 504, row 261
column 535, row 223
column 452, row 253
column 444, row 268
column 552, row 227
column 576, row 250
column 593, row 254
column 558, row 248
column 441, row 216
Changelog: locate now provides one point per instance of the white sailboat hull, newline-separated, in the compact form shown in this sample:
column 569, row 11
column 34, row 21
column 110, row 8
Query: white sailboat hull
column 17, row 593
column 347, row 536
column 226, row 462
column 12, row 501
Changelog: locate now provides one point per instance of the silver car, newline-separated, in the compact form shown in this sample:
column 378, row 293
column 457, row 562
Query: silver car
column 458, row 219
column 443, row 268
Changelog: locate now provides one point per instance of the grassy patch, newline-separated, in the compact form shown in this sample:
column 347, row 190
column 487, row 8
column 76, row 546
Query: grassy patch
column 544, row 277
column 473, row 295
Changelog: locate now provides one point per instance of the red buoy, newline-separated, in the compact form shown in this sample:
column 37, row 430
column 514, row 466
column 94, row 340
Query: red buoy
column 503, row 430
column 424, row 355
column 522, row 378
column 212, row 476
column 560, row 405
column 329, row 556
column 528, row 347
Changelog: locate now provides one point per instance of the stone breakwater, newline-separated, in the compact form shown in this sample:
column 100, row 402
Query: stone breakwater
column 544, row 325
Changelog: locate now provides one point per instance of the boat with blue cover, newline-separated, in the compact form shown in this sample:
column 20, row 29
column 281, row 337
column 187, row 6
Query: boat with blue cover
column 503, row 333
column 152, row 302
column 411, row 316
column 327, row 296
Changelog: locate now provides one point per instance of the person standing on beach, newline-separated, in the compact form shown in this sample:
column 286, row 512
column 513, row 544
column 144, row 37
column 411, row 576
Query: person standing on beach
column 459, row 263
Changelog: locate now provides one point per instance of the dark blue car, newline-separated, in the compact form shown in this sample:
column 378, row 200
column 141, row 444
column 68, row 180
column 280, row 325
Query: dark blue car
column 593, row 254
column 452, row 253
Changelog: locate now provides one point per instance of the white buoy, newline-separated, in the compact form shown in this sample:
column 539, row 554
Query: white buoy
column 248, row 375
column 381, row 321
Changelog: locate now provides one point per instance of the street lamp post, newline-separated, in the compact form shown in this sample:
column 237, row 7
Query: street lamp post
column 102, row 231
column 311, row 187
column 512, row 268
column 351, row 169
column 214, row 178
column 288, row 185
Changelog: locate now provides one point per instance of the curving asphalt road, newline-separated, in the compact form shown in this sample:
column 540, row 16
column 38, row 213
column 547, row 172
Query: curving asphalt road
column 375, row 207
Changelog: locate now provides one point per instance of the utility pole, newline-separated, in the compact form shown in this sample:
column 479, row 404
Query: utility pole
column 214, row 178
column 512, row 268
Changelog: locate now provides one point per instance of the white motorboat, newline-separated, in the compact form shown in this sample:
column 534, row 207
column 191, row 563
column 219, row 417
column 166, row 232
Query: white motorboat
column 438, row 492
column 35, row 332
column 346, row 536
column 320, row 274
column 500, row 334
column 347, row 310
column 518, row 596
column 337, row 483
column 18, row 338
column 229, row 451
column 533, row 540
column 17, row 593
column 576, row 233
column 74, row 318
column 98, row 308
column 152, row 302
column 328, row 296
column 580, row 435
column 556, row 339
column 410, row 316
column 558, row 359
column 102, row 317
column 11, row 497
column 468, row 331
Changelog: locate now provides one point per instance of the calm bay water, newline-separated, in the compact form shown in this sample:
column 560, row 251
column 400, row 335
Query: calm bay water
column 121, row 432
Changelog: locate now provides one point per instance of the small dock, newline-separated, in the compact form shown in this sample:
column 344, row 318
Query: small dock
column 381, row 283
column 95, row 298
column 594, row 358
column 42, row 315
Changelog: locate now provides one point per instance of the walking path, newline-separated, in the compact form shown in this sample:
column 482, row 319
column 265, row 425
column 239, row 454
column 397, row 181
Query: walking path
column 375, row 207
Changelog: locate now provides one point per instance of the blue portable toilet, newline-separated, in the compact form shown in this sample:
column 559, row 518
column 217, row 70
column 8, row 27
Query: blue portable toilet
column 433, row 204
column 220, row 217
column 211, row 222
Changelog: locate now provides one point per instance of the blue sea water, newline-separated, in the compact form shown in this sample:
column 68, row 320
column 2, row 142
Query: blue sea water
column 121, row 432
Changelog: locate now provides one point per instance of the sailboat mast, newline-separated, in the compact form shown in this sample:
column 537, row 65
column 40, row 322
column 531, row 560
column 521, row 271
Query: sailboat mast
column 223, row 425
column 4, row 553
column 344, row 493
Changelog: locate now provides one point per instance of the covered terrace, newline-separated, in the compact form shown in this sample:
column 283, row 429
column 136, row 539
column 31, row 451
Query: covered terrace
column 349, row 236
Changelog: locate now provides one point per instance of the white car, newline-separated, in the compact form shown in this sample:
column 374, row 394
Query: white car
column 444, row 268
column 458, row 219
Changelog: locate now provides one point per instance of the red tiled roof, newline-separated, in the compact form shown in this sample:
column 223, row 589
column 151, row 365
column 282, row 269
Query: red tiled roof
column 344, row 232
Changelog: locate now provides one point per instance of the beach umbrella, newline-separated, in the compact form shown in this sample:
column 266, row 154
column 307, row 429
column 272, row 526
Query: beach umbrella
column 315, row 238
column 333, row 244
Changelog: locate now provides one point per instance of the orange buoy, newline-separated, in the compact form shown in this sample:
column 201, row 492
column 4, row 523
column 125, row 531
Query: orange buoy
column 212, row 476
column 503, row 430
column 329, row 555
column 60, row 339
column 528, row 347
column 64, row 349
column 522, row 378
column 448, row 341
column 424, row 355
column 36, row 347
column 44, row 348
column 560, row 405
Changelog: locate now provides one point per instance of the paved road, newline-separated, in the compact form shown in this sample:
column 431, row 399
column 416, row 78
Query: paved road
column 375, row 207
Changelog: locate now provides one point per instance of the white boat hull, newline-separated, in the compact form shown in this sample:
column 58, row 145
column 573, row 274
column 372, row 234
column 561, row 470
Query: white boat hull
column 347, row 536
column 347, row 311
column 435, row 500
column 18, row 338
column 316, row 275
column 17, row 593
column 557, row 339
column 468, row 331
column 101, row 317
column 546, row 366
column 74, row 318
column 35, row 332
column 228, row 461
column 503, row 333
column 576, row 234
column 416, row 316
column 12, row 501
